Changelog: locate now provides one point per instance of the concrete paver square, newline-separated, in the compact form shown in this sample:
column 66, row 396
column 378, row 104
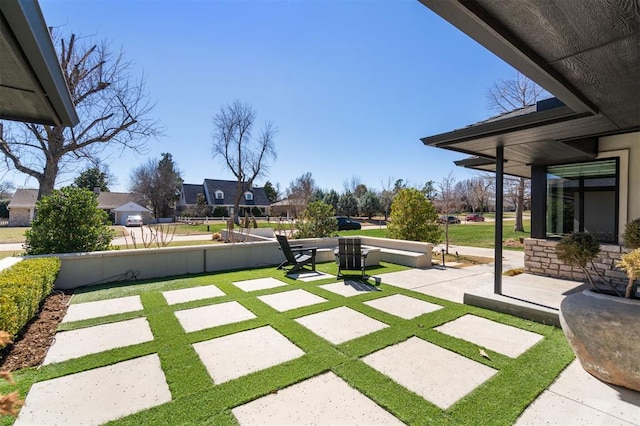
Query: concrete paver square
column 321, row 400
column 97, row 396
column 288, row 300
column 174, row 297
column 438, row 375
column 455, row 289
column 259, row 284
column 576, row 397
column 553, row 409
column 403, row 306
column 307, row 276
column 349, row 288
column 501, row 338
column 91, row 340
column 212, row 316
column 103, row 308
column 229, row 357
column 414, row 278
column 340, row 324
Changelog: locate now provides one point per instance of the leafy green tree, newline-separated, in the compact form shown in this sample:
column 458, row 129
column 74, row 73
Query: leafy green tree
column 317, row 221
column 348, row 204
column 413, row 218
column 429, row 190
column 92, row 178
column 273, row 193
column 332, row 199
column 369, row 204
column 69, row 221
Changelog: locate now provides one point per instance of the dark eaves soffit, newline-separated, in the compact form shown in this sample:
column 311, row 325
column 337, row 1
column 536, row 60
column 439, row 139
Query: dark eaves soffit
column 32, row 85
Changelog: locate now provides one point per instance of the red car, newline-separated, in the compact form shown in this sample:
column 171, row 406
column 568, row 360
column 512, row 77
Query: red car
column 475, row 218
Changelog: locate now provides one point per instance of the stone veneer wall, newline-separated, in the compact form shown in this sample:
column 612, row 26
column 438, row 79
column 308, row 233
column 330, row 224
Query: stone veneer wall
column 540, row 259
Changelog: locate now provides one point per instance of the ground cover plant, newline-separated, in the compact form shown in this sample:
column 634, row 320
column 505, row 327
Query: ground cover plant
column 197, row 400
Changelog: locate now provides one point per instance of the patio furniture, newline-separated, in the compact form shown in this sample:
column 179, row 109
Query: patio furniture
column 350, row 255
column 296, row 255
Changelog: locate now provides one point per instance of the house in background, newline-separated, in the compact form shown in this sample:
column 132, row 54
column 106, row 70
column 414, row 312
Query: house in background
column 22, row 207
column 581, row 149
column 118, row 205
column 218, row 199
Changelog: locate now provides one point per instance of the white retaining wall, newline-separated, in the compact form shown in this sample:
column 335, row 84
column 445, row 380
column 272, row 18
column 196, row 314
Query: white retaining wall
column 83, row 269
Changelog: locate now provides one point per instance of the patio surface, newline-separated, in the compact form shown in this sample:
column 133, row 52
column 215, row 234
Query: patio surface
column 234, row 342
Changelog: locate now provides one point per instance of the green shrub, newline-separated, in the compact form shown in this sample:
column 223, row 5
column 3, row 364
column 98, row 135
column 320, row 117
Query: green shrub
column 413, row 218
column 578, row 249
column 69, row 221
column 632, row 234
column 220, row 212
column 317, row 221
column 22, row 288
column 4, row 211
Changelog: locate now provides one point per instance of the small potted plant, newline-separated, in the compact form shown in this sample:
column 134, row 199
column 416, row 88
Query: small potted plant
column 600, row 324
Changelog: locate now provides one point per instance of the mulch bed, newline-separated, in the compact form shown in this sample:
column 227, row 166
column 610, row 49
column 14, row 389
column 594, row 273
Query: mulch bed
column 32, row 344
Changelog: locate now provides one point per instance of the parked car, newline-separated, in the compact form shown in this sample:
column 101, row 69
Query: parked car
column 133, row 220
column 346, row 224
column 450, row 219
column 475, row 218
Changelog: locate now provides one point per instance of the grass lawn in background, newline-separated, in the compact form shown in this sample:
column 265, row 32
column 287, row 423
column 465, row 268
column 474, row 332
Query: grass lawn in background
column 197, row 399
column 12, row 234
column 482, row 234
column 478, row 234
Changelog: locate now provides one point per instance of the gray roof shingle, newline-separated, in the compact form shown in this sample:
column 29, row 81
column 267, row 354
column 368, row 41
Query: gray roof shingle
column 228, row 187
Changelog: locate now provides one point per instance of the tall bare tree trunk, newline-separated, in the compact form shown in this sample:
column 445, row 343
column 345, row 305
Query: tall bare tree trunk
column 518, row 227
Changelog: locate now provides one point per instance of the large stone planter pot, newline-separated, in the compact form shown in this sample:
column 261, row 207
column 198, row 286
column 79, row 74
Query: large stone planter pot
column 604, row 332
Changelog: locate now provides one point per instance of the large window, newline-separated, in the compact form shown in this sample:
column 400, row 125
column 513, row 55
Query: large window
column 583, row 198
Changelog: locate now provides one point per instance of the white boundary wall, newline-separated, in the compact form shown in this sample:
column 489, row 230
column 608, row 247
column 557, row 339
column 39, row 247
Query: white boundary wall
column 86, row 269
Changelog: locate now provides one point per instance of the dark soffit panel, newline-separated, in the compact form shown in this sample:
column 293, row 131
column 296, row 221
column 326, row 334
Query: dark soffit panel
column 32, row 86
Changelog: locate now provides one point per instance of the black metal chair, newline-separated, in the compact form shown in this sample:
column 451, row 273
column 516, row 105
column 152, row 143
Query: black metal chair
column 350, row 255
column 296, row 255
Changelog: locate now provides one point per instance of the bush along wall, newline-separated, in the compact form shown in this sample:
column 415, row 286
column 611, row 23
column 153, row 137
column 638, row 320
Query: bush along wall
column 22, row 288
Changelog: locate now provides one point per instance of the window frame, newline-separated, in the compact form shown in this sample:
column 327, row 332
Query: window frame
column 580, row 217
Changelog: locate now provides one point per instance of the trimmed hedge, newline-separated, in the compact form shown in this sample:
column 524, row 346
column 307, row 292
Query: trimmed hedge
column 22, row 288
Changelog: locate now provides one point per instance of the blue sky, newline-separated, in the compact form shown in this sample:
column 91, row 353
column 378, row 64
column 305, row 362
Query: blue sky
column 352, row 86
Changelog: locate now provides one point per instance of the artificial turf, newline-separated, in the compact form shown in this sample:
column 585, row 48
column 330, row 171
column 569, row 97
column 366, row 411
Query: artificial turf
column 197, row 400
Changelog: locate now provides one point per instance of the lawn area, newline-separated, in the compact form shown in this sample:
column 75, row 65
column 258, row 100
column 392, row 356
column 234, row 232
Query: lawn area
column 196, row 399
column 471, row 234
column 482, row 234
column 12, row 234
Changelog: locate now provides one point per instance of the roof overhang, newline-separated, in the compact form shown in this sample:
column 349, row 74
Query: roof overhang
column 32, row 85
column 586, row 53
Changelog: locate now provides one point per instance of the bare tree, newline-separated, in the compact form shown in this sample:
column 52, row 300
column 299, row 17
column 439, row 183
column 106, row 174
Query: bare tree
column 520, row 91
column 113, row 108
column 302, row 188
column 159, row 184
column 483, row 189
column 447, row 199
column 350, row 185
column 245, row 156
column 517, row 191
column 505, row 96
column 7, row 190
